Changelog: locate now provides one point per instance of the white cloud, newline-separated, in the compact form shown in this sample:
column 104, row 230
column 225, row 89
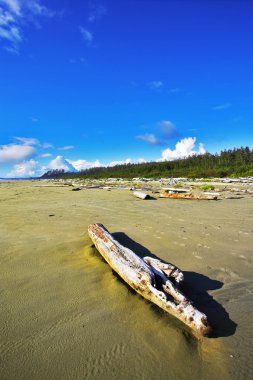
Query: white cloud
column 36, row 8
column 13, row 5
column 61, row 163
column 15, row 153
column 25, row 169
column 46, row 145
column 97, row 11
column 222, row 107
column 155, row 85
column 5, row 17
column 12, row 34
column 68, row 147
column 27, row 140
column 184, row 148
column 83, row 164
column 44, row 155
column 201, row 149
column 149, row 138
column 87, row 35
column 76, row 165
column 167, row 129
column 32, row 168
column 14, row 14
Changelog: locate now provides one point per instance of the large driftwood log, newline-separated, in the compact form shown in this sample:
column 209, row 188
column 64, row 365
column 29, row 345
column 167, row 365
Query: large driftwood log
column 175, row 190
column 141, row 195
column 188, row 196
column 154, row 279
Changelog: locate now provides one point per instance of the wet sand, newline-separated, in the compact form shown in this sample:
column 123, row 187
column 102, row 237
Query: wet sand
column 64, row 315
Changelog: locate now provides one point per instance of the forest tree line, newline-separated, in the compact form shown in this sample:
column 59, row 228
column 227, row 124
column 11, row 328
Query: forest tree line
column 228, row 163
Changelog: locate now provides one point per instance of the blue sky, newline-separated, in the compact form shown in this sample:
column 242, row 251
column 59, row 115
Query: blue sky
column 89, row 83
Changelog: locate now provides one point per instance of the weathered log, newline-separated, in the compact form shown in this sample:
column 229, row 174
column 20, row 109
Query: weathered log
column 140, row 195
column 154, row 279
column 188, row 196
column 212, row 193
column 175, row 190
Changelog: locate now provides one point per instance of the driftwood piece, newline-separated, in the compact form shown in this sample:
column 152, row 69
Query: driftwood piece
column 154, row 279
column 140, row 195
column 175, row 190
column 212, row 193
column 188, row 196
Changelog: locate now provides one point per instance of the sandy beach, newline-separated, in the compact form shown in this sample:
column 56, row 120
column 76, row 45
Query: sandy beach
column 64, row 315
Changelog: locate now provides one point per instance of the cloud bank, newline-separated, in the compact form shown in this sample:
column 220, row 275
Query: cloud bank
column 12, row 153
column 29, row 168
column 23, row 152
column 83, row 164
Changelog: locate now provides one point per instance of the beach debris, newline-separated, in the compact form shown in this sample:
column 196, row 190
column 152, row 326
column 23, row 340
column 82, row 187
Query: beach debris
column 141, row 195
column 76, row 189
column 236, row 190
column 172, row 190
column 215, row 194
column 154, row 279
column 188, row 196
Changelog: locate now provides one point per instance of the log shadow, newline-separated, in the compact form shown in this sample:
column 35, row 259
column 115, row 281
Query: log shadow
column 137, row 248
column 151, row 198
column 195, row 287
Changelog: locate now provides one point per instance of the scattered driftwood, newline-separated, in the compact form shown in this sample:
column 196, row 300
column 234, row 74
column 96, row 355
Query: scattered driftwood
column 154, row 279
column 188, row 196
column 140, row 195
